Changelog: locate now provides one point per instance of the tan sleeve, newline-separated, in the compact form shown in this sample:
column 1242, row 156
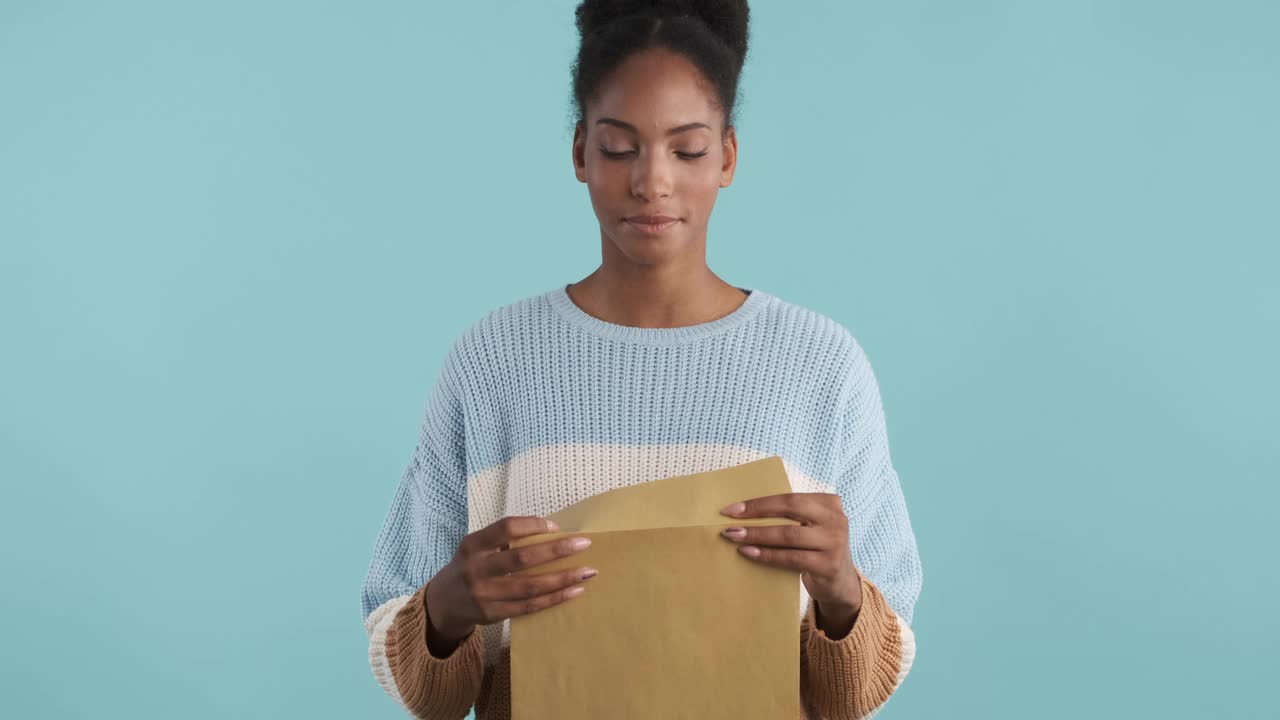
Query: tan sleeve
column 852, row 677
column 427, row 686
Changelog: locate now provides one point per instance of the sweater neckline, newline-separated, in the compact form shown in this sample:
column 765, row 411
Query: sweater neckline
column 564, row 305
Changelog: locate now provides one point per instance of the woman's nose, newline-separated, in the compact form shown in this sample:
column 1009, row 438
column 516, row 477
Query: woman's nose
column 650, row 177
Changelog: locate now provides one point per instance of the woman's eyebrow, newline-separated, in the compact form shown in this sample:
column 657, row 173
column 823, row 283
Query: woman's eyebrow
column 632, row 128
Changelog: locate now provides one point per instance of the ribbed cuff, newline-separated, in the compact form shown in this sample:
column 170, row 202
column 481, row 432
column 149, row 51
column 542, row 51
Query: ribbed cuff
column 432, row 687
column 851, row 677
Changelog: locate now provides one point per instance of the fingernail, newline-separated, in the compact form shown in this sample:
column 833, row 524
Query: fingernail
column 734, row 509
column 580, row 543
column 552, row 526
column 735, row 533
column 574, row 591
column 750, row 551
column 589, row 573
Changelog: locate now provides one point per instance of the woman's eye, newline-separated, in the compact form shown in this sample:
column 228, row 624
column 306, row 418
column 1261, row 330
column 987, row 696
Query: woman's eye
column 615, row 155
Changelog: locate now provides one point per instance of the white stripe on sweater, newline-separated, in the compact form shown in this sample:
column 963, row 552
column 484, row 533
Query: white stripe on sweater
column 377, row 625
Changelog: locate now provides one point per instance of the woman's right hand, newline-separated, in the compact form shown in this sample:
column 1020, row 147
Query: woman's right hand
column 476, row 587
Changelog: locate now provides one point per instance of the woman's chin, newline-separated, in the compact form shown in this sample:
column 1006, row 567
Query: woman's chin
column 649, row 250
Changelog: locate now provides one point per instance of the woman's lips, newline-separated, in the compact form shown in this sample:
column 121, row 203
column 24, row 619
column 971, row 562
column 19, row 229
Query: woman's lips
column 652, row 225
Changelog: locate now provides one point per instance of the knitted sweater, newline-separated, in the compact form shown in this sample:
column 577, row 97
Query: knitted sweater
column 539, row 404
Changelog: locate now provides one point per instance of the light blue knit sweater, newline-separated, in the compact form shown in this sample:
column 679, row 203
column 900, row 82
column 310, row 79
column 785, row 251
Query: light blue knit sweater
column 538, row 405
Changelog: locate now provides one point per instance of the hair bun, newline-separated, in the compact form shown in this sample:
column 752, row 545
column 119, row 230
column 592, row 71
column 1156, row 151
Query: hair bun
column 727, row 19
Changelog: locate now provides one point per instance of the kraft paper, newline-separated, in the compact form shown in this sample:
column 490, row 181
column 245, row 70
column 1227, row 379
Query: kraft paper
column 677, row 624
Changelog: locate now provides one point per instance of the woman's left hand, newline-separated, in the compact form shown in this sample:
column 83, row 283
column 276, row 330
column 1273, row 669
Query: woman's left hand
column 818, row 547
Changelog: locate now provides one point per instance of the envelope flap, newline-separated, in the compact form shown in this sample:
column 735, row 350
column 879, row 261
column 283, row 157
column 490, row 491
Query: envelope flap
column 678, row 501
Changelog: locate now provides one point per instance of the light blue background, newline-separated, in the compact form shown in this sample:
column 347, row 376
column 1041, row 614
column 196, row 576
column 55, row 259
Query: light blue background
column 238, row 237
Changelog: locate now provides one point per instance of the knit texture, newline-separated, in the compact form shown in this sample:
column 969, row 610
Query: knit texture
column 539, row 404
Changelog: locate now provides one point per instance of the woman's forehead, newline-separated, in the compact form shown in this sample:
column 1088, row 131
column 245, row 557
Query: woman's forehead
column 654, row 92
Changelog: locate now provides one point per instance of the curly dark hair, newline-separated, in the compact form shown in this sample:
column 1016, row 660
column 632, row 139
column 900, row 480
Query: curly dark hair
column 712, row 34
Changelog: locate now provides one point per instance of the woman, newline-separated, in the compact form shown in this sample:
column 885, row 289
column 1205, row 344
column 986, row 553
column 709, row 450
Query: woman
column 650, row 367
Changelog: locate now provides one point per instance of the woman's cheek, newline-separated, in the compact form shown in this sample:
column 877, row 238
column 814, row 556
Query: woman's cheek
column 607, row 179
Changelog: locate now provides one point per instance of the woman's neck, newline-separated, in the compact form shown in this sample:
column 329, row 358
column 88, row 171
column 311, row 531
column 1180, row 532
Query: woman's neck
column 649, row 303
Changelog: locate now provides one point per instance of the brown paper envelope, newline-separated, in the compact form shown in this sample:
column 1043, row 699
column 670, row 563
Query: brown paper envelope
column 677, row 624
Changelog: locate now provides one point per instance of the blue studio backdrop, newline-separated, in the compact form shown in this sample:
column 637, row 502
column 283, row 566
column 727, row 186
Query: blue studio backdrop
column 236, row 239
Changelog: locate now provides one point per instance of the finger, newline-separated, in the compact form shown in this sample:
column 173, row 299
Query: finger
column 782, row 536
column 522, row 587
column 518, row 558
column 512, row 527
column 514, row 608
column 810, row 561
column 807, row 508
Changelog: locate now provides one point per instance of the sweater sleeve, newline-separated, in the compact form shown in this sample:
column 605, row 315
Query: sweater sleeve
column 419, row 535
column 851, row 678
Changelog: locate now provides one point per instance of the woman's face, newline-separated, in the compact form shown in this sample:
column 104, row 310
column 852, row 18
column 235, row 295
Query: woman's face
column 653, row 145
